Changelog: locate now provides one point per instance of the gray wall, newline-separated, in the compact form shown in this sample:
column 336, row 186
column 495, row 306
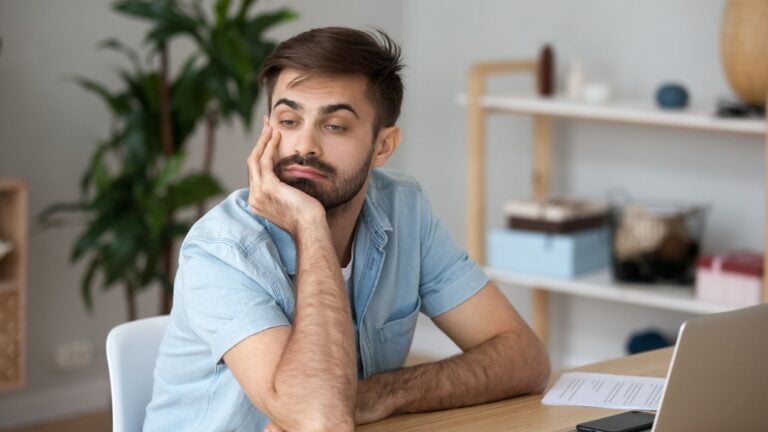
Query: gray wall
column 48, row 127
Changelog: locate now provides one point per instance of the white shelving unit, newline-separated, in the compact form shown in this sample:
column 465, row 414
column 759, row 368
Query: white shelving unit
column 624, row 111
column 543, row 112
column 600, row 286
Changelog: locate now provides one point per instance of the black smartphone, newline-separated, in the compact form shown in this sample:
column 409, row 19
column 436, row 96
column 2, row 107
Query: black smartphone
column 630, row 421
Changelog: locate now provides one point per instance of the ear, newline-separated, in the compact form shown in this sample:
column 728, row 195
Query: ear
column 386, row 144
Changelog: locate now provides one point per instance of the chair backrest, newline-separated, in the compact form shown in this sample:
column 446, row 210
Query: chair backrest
column 132, row 349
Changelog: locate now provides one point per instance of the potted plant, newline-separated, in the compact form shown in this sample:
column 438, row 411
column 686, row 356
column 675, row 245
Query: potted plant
column 136, row 185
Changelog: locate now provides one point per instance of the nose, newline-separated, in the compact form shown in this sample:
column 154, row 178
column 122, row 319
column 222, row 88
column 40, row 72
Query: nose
column 307, row 142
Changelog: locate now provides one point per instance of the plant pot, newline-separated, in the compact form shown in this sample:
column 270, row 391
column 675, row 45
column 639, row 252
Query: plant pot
column 744, row 48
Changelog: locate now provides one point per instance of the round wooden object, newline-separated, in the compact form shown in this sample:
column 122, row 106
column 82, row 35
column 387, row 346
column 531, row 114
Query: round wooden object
column 744, row 48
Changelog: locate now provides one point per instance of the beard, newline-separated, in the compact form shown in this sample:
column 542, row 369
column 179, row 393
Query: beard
column 343, row 187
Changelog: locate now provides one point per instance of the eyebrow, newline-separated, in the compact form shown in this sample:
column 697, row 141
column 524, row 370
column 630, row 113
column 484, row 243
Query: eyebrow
column 328, row 109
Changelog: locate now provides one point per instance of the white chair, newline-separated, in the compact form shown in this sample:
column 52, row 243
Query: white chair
column 132, row 349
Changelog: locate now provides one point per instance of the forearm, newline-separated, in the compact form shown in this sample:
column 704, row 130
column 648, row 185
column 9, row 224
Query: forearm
column 507, row 365
column 317, row 375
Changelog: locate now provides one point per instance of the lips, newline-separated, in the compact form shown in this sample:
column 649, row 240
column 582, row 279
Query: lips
column 303, row 172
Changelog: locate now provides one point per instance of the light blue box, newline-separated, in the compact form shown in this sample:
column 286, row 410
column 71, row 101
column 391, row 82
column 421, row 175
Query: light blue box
column 548, row 254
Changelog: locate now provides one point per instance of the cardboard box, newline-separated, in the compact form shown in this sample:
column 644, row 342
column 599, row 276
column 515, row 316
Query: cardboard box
column 549, row 254
column 731, row 278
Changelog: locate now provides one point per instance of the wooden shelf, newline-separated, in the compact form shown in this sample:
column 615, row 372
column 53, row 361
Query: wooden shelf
column 13, row 277
column 600, row 285
column 543, row 113
column 624, row 111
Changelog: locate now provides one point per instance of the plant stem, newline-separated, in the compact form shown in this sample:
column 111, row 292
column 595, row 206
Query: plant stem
column 165, row 111
column 167, row 141
column 211, row 124
column 130, row 297
column 166, row 296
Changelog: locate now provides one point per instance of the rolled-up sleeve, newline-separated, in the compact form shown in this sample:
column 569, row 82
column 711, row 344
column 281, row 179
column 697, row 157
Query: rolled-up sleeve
column 448, row 276
column 224, row 305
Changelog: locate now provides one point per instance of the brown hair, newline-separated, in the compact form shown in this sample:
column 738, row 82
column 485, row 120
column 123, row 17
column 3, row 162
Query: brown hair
column 343, row 51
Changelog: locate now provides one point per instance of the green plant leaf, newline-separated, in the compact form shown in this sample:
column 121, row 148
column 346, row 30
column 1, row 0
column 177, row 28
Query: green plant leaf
column 89, row 239
column 120, row 47
column 192, row 190
column 242, row 12
column 257, row 26
column 96, row 169
column 169, row 171
column 86, row 285
column 221, row 7
column 113, row 102
column 46, row 217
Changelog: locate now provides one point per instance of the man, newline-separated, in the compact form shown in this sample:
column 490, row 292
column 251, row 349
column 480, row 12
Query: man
column 296, row 300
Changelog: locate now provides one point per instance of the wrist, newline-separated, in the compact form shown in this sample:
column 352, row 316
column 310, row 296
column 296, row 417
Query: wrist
column 309, row 223
column 374, row 400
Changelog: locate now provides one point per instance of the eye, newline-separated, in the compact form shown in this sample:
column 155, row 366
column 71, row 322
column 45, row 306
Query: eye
column 288, row 123
column 335, row 128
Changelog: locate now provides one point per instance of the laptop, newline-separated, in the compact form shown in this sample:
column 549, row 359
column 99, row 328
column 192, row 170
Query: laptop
column 718, row 377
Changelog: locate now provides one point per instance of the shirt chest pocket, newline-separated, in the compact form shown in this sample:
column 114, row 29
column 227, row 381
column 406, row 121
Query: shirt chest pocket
column 395, row 337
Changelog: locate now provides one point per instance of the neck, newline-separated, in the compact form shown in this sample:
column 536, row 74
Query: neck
column 342, row 222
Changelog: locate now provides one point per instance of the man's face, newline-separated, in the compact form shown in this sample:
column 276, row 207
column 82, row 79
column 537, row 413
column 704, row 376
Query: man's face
column 327, row 141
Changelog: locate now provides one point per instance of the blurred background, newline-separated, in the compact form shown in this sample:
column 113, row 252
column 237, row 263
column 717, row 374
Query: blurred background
column 49, row 126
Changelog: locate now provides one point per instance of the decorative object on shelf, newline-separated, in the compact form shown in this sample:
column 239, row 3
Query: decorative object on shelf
column 556, row 215
column 672, row 96
column 575, row 80
column 733, row 108
column 730, row 278
column 559, row 237
column 744, row 48
column 657, row 243
column 547, row 254
column 5, row 248
column 646, row 340
column 546, row 72
column 596, row 93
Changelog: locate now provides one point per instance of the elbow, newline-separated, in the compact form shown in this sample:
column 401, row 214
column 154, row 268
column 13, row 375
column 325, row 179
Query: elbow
column 540, row 367
column 325, row 422
column 312, row 415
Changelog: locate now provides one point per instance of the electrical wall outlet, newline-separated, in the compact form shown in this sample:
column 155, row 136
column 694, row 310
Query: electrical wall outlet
column 74, row 355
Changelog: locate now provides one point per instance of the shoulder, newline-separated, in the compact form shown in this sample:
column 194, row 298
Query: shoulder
column 384, row 178
column 393, row 188
column 397, row 198
column 229, row 225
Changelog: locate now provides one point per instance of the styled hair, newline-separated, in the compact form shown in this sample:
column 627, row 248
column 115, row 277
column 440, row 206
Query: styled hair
column 337, row 51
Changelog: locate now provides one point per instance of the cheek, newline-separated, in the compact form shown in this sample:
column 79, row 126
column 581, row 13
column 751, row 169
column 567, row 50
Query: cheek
column 286, row 146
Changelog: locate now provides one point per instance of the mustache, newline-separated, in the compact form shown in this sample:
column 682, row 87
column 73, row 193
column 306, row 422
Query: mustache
column 307, row 161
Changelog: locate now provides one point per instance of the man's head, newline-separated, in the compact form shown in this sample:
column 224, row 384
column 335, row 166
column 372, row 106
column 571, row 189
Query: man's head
column 334, row 94
column 339, row 51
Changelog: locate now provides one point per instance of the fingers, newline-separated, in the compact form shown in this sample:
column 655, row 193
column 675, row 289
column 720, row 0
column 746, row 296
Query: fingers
column 267, row 161
column 252, row 163
column 273, row 428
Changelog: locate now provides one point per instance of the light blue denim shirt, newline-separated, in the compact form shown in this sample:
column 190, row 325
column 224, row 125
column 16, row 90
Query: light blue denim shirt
column 236, row 278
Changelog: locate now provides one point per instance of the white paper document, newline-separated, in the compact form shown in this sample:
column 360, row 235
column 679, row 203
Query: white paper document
column 606, row 391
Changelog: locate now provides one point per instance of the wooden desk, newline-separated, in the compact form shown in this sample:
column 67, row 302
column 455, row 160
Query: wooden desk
column 526, row 413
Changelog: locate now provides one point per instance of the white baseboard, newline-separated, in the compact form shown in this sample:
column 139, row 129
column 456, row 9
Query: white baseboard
column 51, row 404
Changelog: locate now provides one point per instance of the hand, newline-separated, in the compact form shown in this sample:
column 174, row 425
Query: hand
column 273, row 428
column 370, row 405
column 285, row 206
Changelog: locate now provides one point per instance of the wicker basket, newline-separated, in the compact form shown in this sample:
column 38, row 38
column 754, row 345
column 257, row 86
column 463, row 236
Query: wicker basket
column 744, row 48
column 10, row 343
column 658, row 243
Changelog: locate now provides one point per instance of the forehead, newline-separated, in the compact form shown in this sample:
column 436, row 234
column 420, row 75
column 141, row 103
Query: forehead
column 318, row 91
